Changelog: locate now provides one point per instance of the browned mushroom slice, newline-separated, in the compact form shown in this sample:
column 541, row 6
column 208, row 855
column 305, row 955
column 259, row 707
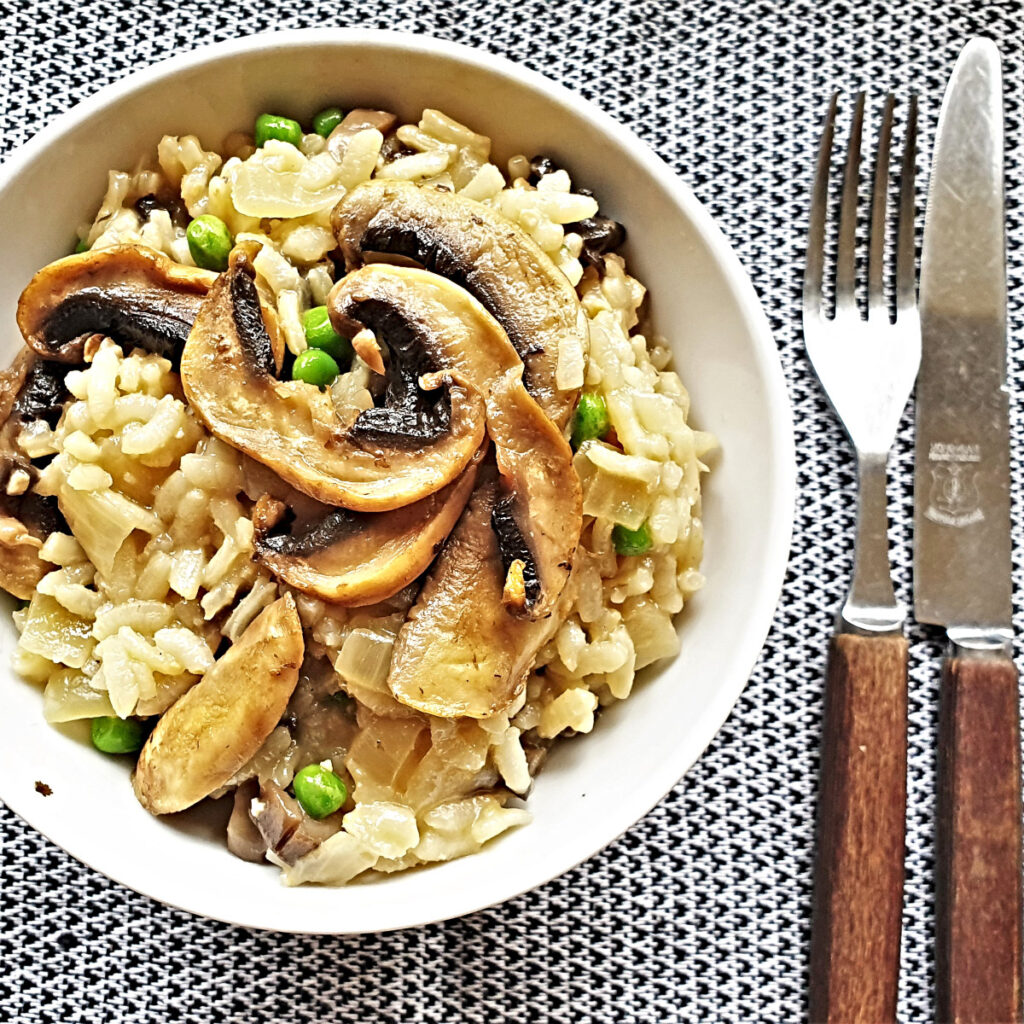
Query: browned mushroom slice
column 30, row 389
column 285, row 827
column 135, row 295
column 541, row 517
column 488, row 255
column 460, row 653
column 358, row 558
column 33, row 389
column 354, row 122
column 216, row 727
column 385, row 458
column 244, row 838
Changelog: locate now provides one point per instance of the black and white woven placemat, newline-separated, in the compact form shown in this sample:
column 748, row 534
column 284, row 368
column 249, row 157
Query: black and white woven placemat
column 701, row 912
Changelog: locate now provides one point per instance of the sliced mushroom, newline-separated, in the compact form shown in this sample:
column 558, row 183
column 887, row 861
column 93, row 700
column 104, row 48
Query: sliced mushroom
column 42, row 393
column 539, row 517
column 165, row 199
column 244, row 838
column 14, row 382
column 544, row 509
column 358, row 558
column 601, row 235
column 450, row 328
column 488, row 255
column 285, row 827
column 276, row 815
column 387, row 457
column 135, row 295
column 215, row 728
column 460, row 653
column 356, row 121
column 30, row 389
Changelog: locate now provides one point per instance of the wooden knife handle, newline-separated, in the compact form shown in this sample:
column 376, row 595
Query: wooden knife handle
column 978, row 869
column 858, row 885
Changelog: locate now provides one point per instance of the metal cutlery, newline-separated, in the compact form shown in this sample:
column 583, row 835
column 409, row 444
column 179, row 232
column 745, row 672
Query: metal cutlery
column 866, row 365
column 962, row 550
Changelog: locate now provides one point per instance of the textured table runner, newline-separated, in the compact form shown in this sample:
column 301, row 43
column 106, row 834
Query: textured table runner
column 701, row 912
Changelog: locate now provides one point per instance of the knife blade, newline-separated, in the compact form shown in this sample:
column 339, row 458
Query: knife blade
column 962, row 550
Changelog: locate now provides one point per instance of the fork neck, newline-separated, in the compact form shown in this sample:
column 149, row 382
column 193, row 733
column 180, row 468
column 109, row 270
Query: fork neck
column 871, row 606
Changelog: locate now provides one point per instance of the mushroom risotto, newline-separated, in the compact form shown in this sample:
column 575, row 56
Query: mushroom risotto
column 342, row 475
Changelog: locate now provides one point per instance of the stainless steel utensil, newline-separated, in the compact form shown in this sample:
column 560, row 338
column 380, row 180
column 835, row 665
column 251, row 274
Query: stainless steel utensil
column 867, row 367
column 962, row 549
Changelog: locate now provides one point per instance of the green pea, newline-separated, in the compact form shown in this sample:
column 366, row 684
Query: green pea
column 632, row 542
column 82, row 245
column 118, row 735
column 591, row 418
column 327, row 120
column 273, row 126
column 320, row 334
column 319, row 790
column 210, row 242
column 315, row 366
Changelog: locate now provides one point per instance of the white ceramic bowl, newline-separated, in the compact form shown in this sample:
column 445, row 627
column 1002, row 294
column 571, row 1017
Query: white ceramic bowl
column 593, row 787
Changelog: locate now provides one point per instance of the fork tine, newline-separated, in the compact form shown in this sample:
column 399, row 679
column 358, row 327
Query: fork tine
column 905, row 240
column 845, row 263
column 814, row 266
column 879, row 202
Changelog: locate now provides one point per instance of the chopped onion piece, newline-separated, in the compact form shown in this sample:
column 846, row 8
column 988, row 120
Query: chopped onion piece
column 278, row 181
column 365, row 656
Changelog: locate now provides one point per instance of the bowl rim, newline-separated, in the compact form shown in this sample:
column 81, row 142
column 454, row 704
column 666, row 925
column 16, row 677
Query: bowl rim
column 779, row 513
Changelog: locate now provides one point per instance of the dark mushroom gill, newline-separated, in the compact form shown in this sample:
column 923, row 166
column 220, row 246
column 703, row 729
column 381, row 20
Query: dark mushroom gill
column 408, row 411
column 359, row 558
column 477, row 249
column 134, row 295
column 460, row 653
column 513, row 547
column 31, row 389
column 293, row 427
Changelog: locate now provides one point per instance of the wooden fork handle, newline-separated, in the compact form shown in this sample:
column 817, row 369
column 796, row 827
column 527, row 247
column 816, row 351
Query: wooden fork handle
column 978, row 870
column 858, row 890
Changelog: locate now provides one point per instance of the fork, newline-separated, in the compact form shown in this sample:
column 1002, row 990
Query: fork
column 867, row 366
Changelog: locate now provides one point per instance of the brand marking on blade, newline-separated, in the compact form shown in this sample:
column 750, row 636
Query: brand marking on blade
column 954, row 498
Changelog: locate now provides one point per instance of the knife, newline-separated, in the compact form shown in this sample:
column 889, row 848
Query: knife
column 962, row 550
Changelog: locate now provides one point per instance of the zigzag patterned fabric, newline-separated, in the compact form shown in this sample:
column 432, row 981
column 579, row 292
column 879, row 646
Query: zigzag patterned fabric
column 701, row 912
